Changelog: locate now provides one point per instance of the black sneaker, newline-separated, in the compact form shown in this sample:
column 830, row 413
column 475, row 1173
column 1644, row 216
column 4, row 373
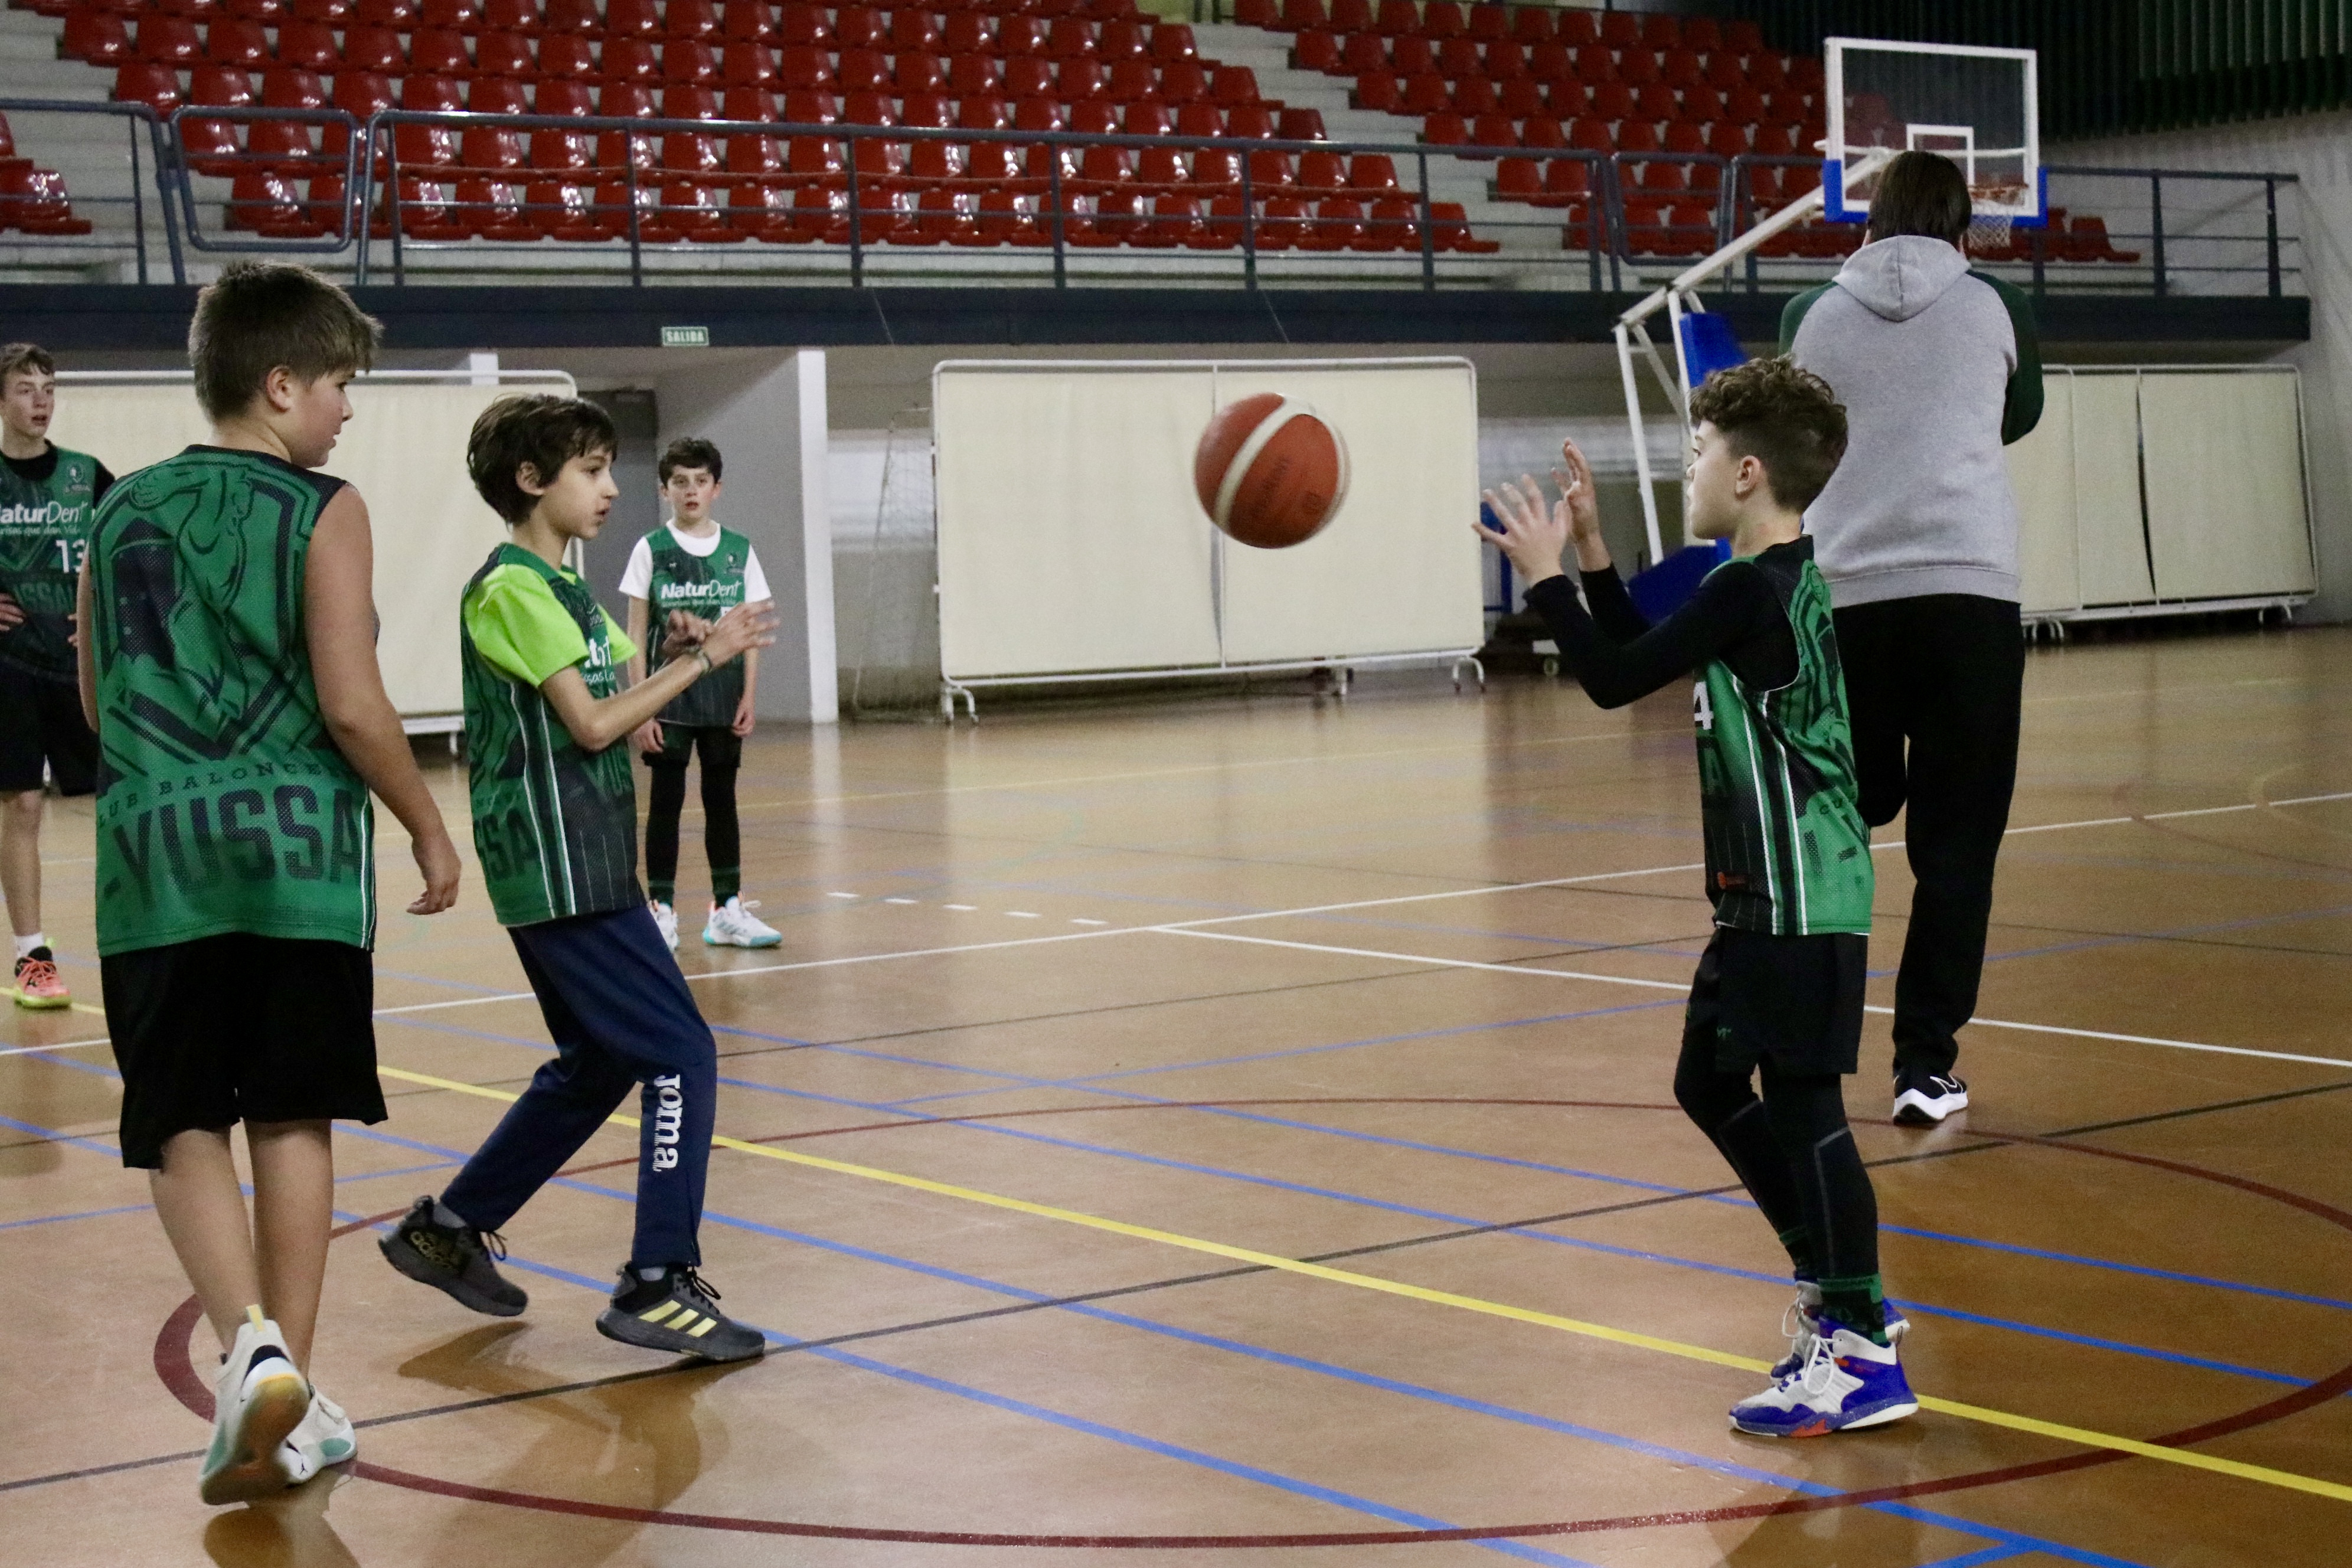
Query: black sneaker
column 1925, row 1099
column 452, row 1258
column 674, row 1313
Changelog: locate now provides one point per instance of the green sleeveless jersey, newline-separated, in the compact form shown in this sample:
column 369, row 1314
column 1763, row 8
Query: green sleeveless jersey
column 1787, row 851
column 43, row 532
column 223, row 803
column 706, row 586
column 555, row 827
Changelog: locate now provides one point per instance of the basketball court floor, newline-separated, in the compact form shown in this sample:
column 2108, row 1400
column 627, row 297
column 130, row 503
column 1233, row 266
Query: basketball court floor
column 1238, row 1132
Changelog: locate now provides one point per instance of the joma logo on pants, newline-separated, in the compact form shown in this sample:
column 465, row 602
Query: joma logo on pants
column 669, row 1116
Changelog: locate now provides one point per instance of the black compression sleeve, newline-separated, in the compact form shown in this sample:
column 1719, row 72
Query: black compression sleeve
column 1614, row 610
column 1733, row 607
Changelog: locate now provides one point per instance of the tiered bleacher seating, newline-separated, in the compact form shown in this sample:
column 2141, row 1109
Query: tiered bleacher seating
column 1091, row 66
column 1680, row 96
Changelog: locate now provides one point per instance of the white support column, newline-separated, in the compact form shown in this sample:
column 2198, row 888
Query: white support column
column 767, row 414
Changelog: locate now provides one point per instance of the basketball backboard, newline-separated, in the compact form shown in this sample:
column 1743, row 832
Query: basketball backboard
column 1977, row 106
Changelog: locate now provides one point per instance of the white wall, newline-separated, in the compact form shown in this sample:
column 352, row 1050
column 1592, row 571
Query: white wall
column 2317, row 149
column 767, row 414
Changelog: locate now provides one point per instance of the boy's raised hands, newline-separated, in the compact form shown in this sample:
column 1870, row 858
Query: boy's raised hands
column 1534, row 535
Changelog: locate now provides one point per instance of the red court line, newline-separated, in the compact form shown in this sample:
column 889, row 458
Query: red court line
column 175, row 1368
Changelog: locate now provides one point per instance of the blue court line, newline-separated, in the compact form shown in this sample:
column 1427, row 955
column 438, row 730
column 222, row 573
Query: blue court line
column 2009, row 1541
column 85, row 1214
column 1578, row 1244
column 1995, row 1554
column 54, row 1136
column 1193, row 1456
column 2028, row 1328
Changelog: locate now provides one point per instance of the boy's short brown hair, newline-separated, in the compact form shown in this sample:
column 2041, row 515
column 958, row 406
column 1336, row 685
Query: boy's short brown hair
column 1784, row 416
column 536, row 429
column 263, row 314
column 25, row 359
column 687, row 452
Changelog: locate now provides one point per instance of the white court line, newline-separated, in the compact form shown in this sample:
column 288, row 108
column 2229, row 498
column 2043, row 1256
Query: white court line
column 1684, row 986
column 60, row 1046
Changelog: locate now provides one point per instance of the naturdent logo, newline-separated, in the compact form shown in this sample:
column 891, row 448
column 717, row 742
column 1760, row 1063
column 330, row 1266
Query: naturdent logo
column 710, row 590
column 45, row 516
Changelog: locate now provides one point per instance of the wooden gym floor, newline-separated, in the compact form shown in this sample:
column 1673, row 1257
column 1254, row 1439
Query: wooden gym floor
column 1090, row 1026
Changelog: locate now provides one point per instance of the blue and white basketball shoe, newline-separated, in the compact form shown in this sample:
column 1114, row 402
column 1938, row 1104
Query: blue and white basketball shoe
column 1846, row 1381
column 1797, row 1326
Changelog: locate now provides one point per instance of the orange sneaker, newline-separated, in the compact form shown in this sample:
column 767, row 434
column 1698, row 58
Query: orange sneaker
column 37, row 985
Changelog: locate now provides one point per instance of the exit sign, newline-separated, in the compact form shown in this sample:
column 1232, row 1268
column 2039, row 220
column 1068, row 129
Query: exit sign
column 686, row 337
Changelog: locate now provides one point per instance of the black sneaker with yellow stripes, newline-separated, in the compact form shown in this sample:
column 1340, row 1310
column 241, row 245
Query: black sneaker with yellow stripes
column 677, row 1313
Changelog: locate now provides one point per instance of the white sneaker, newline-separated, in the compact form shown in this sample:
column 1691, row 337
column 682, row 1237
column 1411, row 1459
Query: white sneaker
column 324, row 1437
column 1847, row 1381
column 1924, row 1100
column 732, row 924
column 258, row 1400
column 665, row 917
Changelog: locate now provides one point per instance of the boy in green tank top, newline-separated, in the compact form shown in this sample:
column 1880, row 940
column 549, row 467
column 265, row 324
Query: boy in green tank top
column 46, row 496
column 691, row 563
column 227, row 664
column 1779, row 992
column 555, row 826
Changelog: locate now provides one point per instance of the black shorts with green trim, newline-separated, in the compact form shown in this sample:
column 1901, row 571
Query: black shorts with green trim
column 239, row 1027
column 1796, row 1001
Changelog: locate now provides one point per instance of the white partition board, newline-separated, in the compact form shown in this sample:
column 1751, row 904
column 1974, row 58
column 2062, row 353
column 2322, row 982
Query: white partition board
column 2042, row 474
column 405, row 449
column 2111, row 539
column 1397, row 569
column 2225, row 496
column 1070, row 540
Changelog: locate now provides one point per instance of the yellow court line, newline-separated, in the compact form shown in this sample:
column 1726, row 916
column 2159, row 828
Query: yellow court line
column 2188, row 1458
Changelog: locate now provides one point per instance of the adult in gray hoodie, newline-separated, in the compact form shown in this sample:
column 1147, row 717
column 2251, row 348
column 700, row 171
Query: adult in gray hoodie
column 1938, row 368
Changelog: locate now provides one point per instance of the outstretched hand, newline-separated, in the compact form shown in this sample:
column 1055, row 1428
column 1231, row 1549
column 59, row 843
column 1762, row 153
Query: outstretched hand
column 1531, row 535
column 682, row 633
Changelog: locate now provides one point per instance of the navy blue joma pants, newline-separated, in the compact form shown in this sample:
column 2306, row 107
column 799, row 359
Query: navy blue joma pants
column 622, row 1018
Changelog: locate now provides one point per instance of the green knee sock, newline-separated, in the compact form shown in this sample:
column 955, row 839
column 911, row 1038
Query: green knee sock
column 1858, row 1302
column 661, row 892
column 1801, row 1255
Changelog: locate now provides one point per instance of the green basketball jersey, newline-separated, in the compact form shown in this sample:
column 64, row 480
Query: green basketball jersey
column 223, row 803
column 1787, row 852
column 706, row 586
column 555, row 827
column 43, row 532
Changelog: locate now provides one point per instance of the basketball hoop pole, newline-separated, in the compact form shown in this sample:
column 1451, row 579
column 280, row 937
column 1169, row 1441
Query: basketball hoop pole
column 1674, row 299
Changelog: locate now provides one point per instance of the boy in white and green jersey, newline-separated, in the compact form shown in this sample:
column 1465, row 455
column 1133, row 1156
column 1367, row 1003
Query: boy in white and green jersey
column 691, row 563
column 555, row 824
column 46, row 497
column 1779, row 992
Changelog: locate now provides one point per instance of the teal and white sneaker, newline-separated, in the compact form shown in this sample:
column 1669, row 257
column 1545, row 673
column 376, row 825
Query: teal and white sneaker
column 258, row 1401
column 1846, row 1382
column 1799, row 1326
column 324, row 1437
column 732, row 924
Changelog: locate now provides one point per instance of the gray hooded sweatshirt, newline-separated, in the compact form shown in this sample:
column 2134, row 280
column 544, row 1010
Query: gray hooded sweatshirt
column 1938, row 368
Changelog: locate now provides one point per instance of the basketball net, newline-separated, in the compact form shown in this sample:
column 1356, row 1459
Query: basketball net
column 1988, row 231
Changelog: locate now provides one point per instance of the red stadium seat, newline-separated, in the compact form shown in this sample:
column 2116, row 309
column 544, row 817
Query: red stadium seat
column 1322, row 174
column 1252, row 120
column 397, row 15
column 913, row 31
column 1425, row 94
column 685, row 101
column 1566, row 100
column 1725, row 72
column 566, row 57
column 1768, row 71
column 489, row 148
column 807, row 107
column 1517, row 180
column 755, row 104
column 169, row 40
column 745, row 64
column 1304, row 16
column 1441, row 19
column 284, row 87
column 974, row 76
column 1363, row 52
column 1494, row 130
column 925, row 111
column 1637, row 68
column 462, row 17
column 693, row 19
column 1301, row 124
column 518, row 16
column 1350, row 17
column 1805, row 74
column 428, row 146
column 1398, row 19
column 968, row 33
column 1026, row 75
column 1505, row 60
column 94, row 38
column 1378, row 91
column 863, row 70
column 1338, row 225
column 505, row 55
column 633, row 19
column 1619, row 29
column 1612, row 100
column 1680, row 68
column 749, row 22
column 575, row 16
column 859, row 27
column 1784, row 107
column 1550, row 61
column 268, row 12
column 310, row 45
column 1656, row 102
column 1459, row 57
column 1743, row 105
column 1184, row 81
column 1743, row 38
column 1070, row 38
column 1133, row 81
column 1473, row 96
column 435, row 52
column 265, row 204
column 803, row 66
column 1315, row 52
column 490, row 95
column 689, row 60
column 1448, row 130
column 1519, row 97
column 629, row 60
column 1412, row 57
column 1080, row 79
column 1020, row 36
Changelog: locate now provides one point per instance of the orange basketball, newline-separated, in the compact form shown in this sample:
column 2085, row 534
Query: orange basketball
column 1270, row 471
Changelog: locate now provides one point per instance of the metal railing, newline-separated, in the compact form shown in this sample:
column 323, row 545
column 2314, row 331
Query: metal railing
column 51, row 214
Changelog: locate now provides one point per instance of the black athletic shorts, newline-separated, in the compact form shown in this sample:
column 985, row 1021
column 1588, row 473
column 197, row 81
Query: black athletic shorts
column 40, row 721
column 240, row 1028
column 1796, row 999
column 720, row 747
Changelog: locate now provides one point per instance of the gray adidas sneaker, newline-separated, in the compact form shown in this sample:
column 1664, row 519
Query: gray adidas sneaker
column 676, row 1313
column 454, row 1258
